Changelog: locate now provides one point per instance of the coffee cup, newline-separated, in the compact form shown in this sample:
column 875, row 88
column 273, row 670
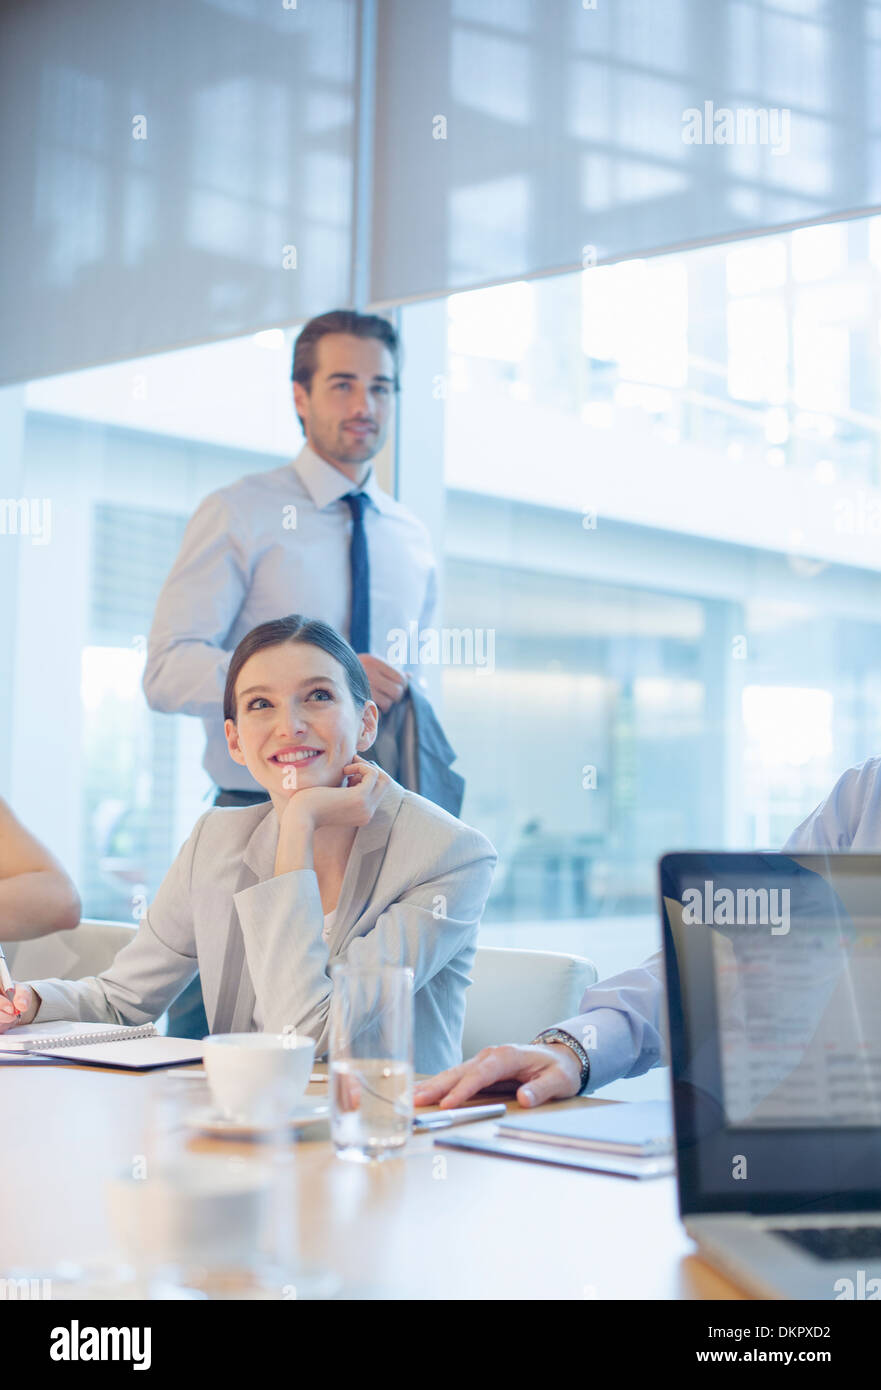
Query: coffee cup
column 258, row 1076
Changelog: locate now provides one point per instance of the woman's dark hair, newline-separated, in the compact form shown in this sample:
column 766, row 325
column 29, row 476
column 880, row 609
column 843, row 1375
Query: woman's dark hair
column 294, row 628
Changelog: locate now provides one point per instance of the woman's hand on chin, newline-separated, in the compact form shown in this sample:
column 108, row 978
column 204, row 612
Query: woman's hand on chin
column 350, row 805
column 313, row 807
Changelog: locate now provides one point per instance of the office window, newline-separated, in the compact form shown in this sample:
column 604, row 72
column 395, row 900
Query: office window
column 661, row 511
column 130, row 752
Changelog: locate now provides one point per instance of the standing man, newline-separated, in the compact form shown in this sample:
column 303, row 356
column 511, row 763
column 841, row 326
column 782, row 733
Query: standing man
column 317, row 537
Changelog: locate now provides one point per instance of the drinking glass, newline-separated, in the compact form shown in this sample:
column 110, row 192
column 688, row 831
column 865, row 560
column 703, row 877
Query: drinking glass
column 371, row 1061
column 200, row 1222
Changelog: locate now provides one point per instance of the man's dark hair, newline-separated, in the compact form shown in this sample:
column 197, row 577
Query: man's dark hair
column 340, row 321
column 294, row 628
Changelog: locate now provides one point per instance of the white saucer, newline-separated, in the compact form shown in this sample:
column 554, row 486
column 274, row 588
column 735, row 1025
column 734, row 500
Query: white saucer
column 311, row 1110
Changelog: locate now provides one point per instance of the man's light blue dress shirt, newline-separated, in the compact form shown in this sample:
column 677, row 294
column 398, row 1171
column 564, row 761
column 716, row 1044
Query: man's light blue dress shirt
column 268, row 545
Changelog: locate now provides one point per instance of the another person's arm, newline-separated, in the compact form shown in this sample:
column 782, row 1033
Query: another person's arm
column 429, row 602
column 387, row 685
column 143, row 979
column 853, row 806
column 186, row 664
column 618, row 1025
column 36, row 895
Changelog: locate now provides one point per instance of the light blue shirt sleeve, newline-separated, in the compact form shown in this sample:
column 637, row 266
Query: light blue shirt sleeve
column 186, row 664
column 429, row 606
column 849, row 818
column 619, row 1023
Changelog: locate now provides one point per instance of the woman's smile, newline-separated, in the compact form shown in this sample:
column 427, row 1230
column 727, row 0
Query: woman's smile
column 298, row 755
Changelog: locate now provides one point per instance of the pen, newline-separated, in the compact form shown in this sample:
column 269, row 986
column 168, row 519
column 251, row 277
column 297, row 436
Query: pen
column 443, row 1118
column 7, row 984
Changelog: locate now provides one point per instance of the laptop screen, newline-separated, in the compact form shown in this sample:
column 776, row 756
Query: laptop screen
column 773, row 967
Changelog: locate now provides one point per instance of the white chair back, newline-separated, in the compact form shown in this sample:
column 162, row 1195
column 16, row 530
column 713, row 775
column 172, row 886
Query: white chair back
column 69, row 955
column 515, row 994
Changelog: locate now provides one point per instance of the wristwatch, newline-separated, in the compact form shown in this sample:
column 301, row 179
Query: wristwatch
column 557, row 1035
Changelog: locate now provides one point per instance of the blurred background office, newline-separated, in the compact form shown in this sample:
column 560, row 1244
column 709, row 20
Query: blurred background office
column 639, row 407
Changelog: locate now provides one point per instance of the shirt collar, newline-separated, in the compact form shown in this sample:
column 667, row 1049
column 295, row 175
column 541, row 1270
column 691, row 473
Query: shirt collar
column 326, row 484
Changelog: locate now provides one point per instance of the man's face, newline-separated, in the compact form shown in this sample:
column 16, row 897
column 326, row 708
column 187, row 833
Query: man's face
column 347, row 407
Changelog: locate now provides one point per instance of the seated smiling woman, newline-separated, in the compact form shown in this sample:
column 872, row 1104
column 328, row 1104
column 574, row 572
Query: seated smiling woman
column 341, row 864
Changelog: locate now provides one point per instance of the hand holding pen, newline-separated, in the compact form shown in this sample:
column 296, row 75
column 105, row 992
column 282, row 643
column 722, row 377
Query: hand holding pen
column 7, row 984
column 16, row 1001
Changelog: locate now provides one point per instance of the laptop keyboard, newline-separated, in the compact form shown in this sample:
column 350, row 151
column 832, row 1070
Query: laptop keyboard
column 836, row 1242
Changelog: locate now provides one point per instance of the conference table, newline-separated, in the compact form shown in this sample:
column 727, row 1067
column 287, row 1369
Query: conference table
column 473, row 1226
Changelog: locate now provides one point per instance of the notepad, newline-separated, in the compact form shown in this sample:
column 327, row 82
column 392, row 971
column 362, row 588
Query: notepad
column 639, row 1129
column 564, row 1155
column 100, row 1045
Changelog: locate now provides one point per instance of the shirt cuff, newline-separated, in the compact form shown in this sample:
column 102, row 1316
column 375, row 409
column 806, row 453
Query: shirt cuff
column 607, row 1038
column 55, row 1003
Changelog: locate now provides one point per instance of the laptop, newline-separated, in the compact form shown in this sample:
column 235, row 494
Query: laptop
column 773, row 970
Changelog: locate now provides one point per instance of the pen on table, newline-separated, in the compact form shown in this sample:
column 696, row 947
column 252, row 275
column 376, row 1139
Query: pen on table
column 7, row 984
column 441, row 1119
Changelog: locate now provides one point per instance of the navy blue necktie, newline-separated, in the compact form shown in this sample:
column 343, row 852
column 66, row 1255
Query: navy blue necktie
column 359, row 628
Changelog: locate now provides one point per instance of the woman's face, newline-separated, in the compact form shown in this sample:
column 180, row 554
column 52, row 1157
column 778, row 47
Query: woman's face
column 296, row 724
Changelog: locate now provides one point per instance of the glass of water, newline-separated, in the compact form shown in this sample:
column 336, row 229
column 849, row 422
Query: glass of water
column 371, row 1061
column 197, row 1220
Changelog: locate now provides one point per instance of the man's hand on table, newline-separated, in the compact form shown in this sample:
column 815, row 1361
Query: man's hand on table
column 536, row 1074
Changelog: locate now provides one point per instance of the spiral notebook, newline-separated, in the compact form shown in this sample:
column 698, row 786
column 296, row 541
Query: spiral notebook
column 98, row 1045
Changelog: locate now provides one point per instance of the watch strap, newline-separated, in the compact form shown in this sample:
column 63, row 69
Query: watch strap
column 559, row 1035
